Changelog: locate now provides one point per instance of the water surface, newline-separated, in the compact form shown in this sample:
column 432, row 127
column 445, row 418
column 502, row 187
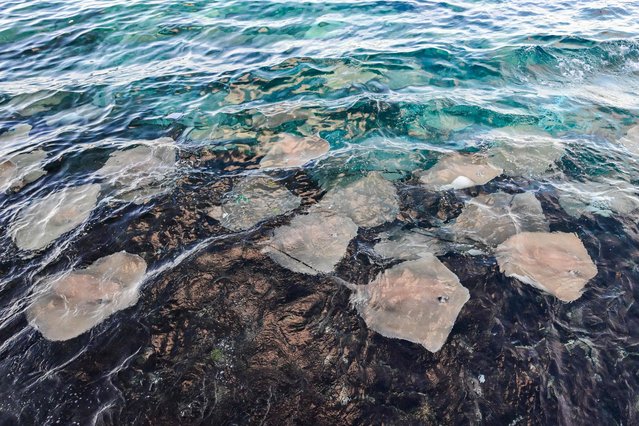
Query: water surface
column 224, row 334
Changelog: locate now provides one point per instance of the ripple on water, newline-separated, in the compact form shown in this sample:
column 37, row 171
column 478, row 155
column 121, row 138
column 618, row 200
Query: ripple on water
column 256, row 153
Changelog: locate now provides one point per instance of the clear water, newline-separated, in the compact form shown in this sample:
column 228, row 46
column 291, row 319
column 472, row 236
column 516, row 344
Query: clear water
column 393, row 86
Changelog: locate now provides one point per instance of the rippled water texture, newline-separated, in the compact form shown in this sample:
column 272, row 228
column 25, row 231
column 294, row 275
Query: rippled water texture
column 270, row 212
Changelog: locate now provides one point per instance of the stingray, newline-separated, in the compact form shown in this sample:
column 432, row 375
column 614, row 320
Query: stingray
column 46, row 219
column 82, row 114
column 20, row 170
column 313, row 243
column 139, row 172
column 393, row 159
column 253, row 200
column 16, row 134
column 524, row 152
column 605, row 92
column 78, row 301
column 409, row 245
column 631, row 140
column 446, row 122
column 29, row 104
column 220, row 132
column 290, row 151
column 369, row 201
column 343, row 76
column 459, row 171
column 605, row 197
column 556, row 263
column 492, row 218
column 418, row 300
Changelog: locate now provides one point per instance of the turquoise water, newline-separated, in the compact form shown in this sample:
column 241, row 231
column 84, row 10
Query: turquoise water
column 393, row 87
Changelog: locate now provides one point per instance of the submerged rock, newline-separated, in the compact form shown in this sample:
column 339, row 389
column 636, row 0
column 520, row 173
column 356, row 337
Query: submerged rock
column 417, row 300
column 369, row 201
column 253, row 200
column 409, row 245
column 140, row 172
column 82, row 299
column 458, row 172
column 524, row 152
column 604, row 198
column 313, row 243
column 20, row 170
column 293, row 151
column 492, row 218
column 556, row 263
column 46, row 219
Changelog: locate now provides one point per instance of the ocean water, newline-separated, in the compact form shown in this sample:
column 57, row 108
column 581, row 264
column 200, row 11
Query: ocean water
column 141, row 126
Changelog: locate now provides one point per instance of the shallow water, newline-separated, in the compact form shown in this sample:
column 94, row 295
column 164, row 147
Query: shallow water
column 313, row 96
